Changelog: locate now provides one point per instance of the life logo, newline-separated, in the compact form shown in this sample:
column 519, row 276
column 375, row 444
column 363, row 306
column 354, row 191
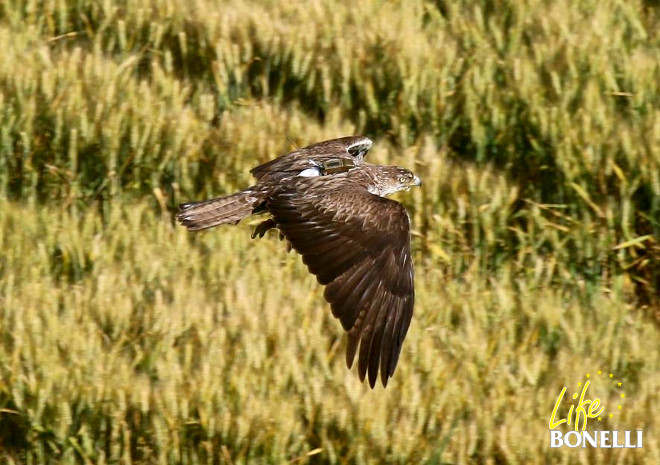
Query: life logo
column 594, row 410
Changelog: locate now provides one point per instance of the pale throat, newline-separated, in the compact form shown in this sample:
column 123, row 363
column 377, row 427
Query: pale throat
column 383, row 190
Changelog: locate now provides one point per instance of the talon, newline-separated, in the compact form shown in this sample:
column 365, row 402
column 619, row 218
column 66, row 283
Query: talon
column 263, row 227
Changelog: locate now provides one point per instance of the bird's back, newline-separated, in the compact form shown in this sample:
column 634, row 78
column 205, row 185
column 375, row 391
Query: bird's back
column 324, row 158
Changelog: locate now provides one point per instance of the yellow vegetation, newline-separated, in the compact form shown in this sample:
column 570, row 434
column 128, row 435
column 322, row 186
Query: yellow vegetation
column 534, row 125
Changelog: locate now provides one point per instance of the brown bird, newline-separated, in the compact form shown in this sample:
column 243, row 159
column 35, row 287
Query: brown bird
column 331, row 207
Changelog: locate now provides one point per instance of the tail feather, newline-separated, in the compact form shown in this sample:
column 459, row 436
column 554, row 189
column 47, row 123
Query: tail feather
column 229, row 209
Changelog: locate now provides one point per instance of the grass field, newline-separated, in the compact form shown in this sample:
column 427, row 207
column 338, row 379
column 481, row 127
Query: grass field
column 534, row 125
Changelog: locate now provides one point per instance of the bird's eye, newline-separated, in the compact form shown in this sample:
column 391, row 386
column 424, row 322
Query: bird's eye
column 402, row 179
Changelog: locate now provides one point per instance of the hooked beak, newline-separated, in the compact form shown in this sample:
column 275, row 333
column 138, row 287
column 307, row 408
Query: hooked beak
column 416, row 181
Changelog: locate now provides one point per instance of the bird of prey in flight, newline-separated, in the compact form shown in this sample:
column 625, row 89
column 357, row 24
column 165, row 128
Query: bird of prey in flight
column 330, row 205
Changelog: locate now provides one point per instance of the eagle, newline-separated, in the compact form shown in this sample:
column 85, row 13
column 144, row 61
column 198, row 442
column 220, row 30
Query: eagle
column 331, row 207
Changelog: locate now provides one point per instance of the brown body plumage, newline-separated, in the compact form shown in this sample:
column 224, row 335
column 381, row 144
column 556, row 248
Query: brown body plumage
column 331, row 206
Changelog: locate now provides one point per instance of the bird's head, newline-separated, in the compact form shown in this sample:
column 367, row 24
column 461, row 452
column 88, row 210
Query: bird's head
column 393, row 179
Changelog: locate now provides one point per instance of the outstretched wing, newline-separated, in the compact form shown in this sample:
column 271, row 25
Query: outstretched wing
column 315, row 157
column 358, row 246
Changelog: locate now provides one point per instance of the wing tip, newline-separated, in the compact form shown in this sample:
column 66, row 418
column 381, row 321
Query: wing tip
column 360, row 146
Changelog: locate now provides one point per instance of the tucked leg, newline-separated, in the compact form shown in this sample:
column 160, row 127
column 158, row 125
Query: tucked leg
column 263, row 227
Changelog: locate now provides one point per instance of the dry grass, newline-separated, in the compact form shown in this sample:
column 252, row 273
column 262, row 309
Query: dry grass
column 116, row 349
column 534, row 125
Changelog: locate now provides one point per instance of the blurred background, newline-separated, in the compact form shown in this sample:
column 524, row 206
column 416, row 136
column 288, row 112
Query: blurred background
column 535, row 126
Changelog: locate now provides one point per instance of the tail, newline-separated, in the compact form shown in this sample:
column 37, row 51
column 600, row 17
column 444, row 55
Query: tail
column 229, row 209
